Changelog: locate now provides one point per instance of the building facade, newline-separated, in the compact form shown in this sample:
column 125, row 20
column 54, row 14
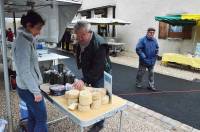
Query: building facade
column 141, row 14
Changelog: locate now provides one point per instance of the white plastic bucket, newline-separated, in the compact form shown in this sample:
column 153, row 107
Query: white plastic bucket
column 2, row 125
column 23, row 110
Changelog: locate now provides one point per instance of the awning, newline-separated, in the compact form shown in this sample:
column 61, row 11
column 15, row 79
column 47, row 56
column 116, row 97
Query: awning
column 25, row 5
column 175, row 20
column 110, row 21
column 181, row 20
column 194, row 17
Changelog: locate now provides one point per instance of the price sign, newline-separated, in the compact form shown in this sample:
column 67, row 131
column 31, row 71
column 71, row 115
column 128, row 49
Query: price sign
column 108, row 84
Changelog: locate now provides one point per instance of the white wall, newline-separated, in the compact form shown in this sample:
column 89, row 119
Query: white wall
column 51, row 28
column 57, row 19
column 66, row 14
column 110, row 12
column 89, row 4
column 142, row 12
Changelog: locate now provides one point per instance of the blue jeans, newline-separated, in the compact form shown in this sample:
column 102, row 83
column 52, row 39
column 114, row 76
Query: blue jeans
column 37, row 115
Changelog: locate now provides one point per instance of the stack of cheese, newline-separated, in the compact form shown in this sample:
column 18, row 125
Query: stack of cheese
column 87, row 99
column 96, row 100
column 72, row 98
column 104, row 97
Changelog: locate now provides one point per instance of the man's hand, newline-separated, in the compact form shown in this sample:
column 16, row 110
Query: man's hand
column 78, row 84
column 38, row 98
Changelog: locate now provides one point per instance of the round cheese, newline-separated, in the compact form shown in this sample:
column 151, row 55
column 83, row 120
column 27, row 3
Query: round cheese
column 71, row 101
column 72, row 94
column 101, row 90
column 91, row 89
column 85, row 97
column 105, row 100
column 83, row 108
column 96, row 104
column 96, row 96
column 73, row 106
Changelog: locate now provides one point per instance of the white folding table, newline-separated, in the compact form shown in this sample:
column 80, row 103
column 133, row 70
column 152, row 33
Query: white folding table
column 84, row 119
column 116, row 47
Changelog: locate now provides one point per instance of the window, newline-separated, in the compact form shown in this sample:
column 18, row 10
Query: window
column 86, row 14
column 102, row 11
column 169, row 31
column 175, row 29
column 98, row 16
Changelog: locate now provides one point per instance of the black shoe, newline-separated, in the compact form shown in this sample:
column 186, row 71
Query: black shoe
column 152, row 89
column 95, row 128
column 23, row 125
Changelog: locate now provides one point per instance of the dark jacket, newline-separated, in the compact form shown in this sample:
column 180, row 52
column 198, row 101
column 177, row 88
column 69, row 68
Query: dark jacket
column 147, row 50
column 94, row 60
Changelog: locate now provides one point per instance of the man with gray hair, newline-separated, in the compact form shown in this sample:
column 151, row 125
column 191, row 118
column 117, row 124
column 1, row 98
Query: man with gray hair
column 147, row 50
column 93, row 58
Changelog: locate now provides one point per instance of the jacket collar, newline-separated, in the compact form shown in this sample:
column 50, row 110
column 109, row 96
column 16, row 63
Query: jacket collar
column 148, row 38
column 26, row 34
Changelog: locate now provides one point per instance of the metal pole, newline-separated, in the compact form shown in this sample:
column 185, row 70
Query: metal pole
column 81, row 129
column 194, row 39
column 5, row 66
column 56, row 120
column 120, row 122
column 14, row 24
column 113, row 26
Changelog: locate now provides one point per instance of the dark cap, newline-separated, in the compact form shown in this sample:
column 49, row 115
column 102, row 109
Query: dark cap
column 151, row 29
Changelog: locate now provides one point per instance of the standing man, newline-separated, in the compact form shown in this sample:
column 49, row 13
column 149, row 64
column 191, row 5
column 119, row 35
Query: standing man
column 147, row 50
column 93, row 58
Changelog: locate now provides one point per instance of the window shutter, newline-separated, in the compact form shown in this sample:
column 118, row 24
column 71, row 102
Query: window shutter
column 187, row 32
column 162, row 30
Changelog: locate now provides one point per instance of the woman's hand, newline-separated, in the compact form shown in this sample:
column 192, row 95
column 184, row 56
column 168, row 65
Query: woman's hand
column 38, row 98
column 79, row 84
